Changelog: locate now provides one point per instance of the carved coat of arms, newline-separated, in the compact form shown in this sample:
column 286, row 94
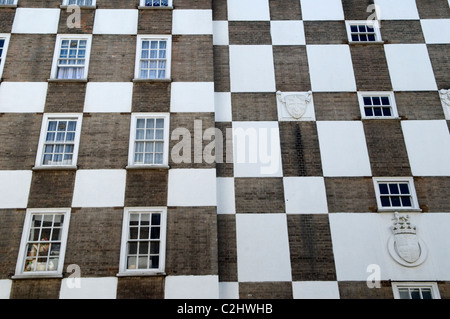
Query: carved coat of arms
column 296, row 104
column 405, row 245
column 445, row 100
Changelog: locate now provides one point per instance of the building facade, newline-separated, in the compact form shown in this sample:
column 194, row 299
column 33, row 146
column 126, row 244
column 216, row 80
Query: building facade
column 224, row 149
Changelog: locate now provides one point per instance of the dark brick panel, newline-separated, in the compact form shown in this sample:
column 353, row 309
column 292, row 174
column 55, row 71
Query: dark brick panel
column 433, row 193
column 149, row 287
column 221, row 68
column 433, row 9
column 188, row 4
column 146, row 187
column 440, row 60
column 224, row 168
column 11, row 226
column 291, row 68
column 285, row 10
column 65, row 97
column 18, row 146
column 444, row 289
column 151, row 97
column 94, row 240
column 117, row 4
column 6, row 19
column 36, row 289
column 155, row 22
column 401, row 31
column 40, row 3
column 359, row 290
column 259, row 195
column 86, row 22
column 300, row 152
column 265, row 290
column 227, row 250
column 254, row 107
column 386, row 147
column 339, row 106
column 311, row 249
column 425, row 105
column 220, row 10
column 357, row 9
column 51, row 189
column 350, row 194
column 325, row 32
column 104, row 141
column 191, row 241
column 249, row 32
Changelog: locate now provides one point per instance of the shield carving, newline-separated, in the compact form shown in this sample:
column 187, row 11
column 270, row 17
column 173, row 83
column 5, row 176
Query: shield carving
column 296, row 104
column 407, row 247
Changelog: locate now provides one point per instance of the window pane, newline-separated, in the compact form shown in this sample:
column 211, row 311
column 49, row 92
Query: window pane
column 395, row 200
column 404, row 189
column 383, row 189
column 404, row 293
column 406, row 201
column 415, row 293
column 393, row 188
column 385, row 202
column 426, row 293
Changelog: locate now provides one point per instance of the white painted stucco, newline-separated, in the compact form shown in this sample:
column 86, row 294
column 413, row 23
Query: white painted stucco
column 191, row 287
column 14, row 188
column 305, row 195
column 192, row 187
column 322, row 10
column 289, row 32
column 192, row 97
column 36, row 20
column 108, row 97
column 89, row 288
column 192, row 21
column 436, row 31
column 116, row 21
column 23, row 97
column 225, row 196
column 248, row 10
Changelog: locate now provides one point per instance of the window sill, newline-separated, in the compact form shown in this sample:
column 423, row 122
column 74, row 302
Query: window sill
column 381, row 118
column 55, row 167
column 37, row 276
column 402, row 210
column 152, row 80
column 147, row 167
column 155, row 8
column 81, row 7
column 141, row 274
column 8, row 5
column 365, row 42
column 68, row 80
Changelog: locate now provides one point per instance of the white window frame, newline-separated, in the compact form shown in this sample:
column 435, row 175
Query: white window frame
column 393, row 105
column 65, row 3
column 396, row 286
column 59, row 39
column 143, row 6
column 42, row 139
column 374, row 24
column 134, row 117
column 123, row 271
column 141, row 38
column 409, row 180
column 21, row 260
column 13, row 4
column 6, row 37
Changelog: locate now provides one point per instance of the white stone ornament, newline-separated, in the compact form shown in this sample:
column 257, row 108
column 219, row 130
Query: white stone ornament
column 405, row 246
column 295, row 106
column 445, row 100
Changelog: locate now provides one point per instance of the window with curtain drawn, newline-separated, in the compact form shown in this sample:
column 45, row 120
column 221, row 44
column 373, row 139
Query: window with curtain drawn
column 153, row 59
column 81, row 3
column 72, row 59
column 8, row 2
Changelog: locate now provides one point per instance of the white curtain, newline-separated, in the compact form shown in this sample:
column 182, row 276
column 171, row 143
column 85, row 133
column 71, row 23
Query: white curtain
column 70, row 73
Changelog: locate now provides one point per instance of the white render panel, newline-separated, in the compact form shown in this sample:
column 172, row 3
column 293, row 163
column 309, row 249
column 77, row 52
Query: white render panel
column 315, row 290
column 191, row 287
column 107, row 97
column 428, row 147
column 331, row 68
column 256, row 149
column 36, row 20
column 252, row 68
column 14, row 188
column 262, row 248
column 5, row 288
column 410, row 67
column 220, row 33
column 99, row 188
column 305, row 195
column 343, row 148
column 397, row 10
column 192, row 187
column 223, row 110
column 289, row 32
column 192, row 97
column 116, row 21
column 228, row 290
column 88, row 288
column 322, row 10
column 225, row 196
column 192, row 22
column 248, row 10
column 436, row 31
column 23, row 97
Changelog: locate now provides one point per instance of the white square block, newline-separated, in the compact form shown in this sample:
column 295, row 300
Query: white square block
column 5, row 288
column 88, row 288
column 315, row 290
column 220, row 33
column 36, row 20
column 225, row 195
column 343, row 148
column 191, row 287
column 116, row 21
column 256, row 149
column 252, row 68
column 248, row 10
column 222, row 103
column 192, row 22
column 263, row 247
column 14, row 188
column 192, row 187
column 99, row 188
column 436, row 31
column 107, row 97
column 23, row 97
column 305, row 195
column 397, row 10
column 322, row 10
column 410, row 67
column 289, row 32
column 331, row 68
column 228, row 290
column 428, row 146
column 192, row 97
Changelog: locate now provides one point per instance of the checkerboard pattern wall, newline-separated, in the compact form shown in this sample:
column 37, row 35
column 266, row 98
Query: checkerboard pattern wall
column 300, row 219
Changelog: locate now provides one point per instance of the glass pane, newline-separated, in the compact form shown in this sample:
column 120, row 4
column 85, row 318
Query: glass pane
column 393, row 188
column 404, row 189
column 134, row 233
column 415, row 293
column 376, row 100
column 154, row 247
column 143, row 248
column 132, row 248
column 134, row 219
column 383, row 189
column 145, row 219
column 155, row 233
column 387, row 111
column 395, row 200
column 156, row 219
column 131, row 263
column 404, row 293
column 154, row 262
column 426, row 293
column 385, row 202
column 406, row 201
column 142, row 263
column 144, row 233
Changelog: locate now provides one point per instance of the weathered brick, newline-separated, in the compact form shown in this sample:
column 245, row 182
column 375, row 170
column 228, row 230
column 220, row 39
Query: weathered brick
column 424, row 105
column 221, row 68
column 227, row 249
column 36, row 289
column 291, row 68
column 433, row 193
column 249, row 32
column 65, row 97
column 360, row 290
column 147, row 287
column 401, row 31
column 259, row 195
column 146, row 187
column 339, row 106
column 325, row 32
column 265, row 290
column 254, row 107
column 285, row 10
column 51, row 189
column 11, row 225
